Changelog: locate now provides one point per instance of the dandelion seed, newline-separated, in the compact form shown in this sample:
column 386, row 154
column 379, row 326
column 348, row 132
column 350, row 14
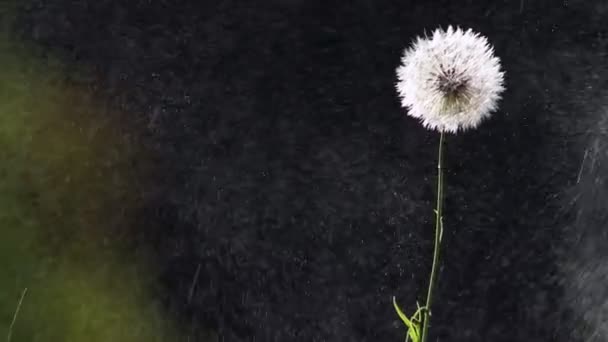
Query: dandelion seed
column 450, row 81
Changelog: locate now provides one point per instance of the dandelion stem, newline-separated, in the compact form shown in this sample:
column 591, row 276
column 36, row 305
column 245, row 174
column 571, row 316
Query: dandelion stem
column 438, row 236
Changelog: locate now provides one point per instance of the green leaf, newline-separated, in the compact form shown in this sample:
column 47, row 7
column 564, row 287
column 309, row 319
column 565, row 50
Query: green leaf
column 413, row 326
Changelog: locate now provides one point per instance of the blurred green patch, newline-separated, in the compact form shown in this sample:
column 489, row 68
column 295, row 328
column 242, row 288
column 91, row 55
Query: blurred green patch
column 67, row 196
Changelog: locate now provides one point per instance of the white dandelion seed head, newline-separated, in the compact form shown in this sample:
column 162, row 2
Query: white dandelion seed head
column 450, row 81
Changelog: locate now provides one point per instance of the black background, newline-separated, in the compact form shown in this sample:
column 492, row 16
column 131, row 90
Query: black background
column 286, row 170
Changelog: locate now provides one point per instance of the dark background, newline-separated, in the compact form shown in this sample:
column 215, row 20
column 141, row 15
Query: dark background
column 283, row 168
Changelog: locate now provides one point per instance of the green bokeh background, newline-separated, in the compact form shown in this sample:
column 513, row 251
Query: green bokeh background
column 67, row 198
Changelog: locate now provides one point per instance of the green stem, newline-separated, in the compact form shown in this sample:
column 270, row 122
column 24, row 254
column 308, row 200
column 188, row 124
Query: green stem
column 438, row 235
column 10, row 328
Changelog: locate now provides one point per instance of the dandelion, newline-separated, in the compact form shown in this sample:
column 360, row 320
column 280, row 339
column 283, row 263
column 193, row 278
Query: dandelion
column 450, row 82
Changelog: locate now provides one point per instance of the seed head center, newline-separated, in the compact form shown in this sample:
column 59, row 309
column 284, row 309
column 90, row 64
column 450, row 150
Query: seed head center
column 451, row 83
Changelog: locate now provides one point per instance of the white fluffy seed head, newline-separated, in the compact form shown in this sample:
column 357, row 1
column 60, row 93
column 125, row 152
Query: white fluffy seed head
column 450, row 81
